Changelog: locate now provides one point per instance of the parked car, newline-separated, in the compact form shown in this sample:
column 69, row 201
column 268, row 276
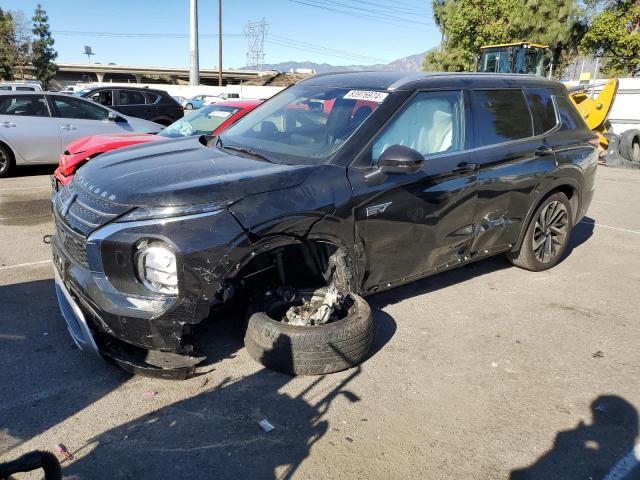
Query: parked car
column 294, row 214
column 20, row 87
column 197, row 101
column 208, row 120
column 154, row 105
column 223, row 97
column 36, row 128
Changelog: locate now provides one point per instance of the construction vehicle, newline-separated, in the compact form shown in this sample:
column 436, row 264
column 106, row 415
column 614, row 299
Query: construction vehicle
column 529, row 58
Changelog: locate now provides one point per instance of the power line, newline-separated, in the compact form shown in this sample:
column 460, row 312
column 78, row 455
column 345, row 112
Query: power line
column 290, row 42
column 362, row 13
column 140, row 35
column 413, row 11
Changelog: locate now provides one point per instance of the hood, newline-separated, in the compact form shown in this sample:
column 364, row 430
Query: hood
column 183, row 171
column 104, row 143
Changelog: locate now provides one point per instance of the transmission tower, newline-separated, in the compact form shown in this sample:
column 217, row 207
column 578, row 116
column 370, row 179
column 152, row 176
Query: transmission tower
column 255, row 33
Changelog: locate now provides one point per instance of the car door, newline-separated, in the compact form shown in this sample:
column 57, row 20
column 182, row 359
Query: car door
column 79, row 118
column 407, row 225
column 22, row 117
column 134, row 104
column 512, row 157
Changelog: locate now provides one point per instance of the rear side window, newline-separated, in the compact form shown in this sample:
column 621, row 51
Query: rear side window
column 25, row 89
column 542, row 109
column 24, row 105
column 500, row 116
column 131, row 97
column 569, row 116
column 152, row 97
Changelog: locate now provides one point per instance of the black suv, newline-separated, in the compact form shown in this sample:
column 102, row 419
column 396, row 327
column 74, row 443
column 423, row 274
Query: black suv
column 338, row 187
column 155, row 105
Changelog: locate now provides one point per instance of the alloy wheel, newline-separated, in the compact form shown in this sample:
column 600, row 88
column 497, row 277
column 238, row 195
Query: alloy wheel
column 4, row 162
column 550, row 231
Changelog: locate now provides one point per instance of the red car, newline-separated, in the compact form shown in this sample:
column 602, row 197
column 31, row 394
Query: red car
column 211, row 119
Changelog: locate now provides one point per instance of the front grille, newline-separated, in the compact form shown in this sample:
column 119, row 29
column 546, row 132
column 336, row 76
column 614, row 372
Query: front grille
column 84, row 211
column 73, row 243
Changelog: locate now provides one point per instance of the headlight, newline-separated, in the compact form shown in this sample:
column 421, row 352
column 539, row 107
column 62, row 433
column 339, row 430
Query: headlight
column 156, row 267
column 152, row 213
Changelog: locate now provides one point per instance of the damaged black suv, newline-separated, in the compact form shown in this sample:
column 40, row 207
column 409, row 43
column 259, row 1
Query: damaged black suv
column 338, row 187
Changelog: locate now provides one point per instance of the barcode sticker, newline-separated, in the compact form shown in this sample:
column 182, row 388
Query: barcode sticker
column 369, row 95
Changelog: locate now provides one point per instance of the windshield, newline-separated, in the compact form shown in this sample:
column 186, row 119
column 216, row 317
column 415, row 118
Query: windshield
column 200, row 122
column 303, row 124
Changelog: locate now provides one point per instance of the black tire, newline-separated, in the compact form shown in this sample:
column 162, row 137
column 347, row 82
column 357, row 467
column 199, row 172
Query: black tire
column 315, row 350
column 629, row 145
column 530, row 256
column 7, row 161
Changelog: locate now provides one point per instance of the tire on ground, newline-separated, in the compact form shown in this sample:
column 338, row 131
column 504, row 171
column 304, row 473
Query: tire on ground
column 627, row 139
column 525, row 257
column 6, row 168
column 315, row 350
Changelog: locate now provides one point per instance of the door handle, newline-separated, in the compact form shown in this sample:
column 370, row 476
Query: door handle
column 68, row 127
column 8, row 124
column 543, row 151
column 464, row 167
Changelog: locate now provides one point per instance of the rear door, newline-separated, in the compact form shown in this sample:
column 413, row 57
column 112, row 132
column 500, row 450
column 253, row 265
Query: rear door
column 512, row 156
column 134, row 104
column 79, row 118
column 407, row 225
column 27, row 126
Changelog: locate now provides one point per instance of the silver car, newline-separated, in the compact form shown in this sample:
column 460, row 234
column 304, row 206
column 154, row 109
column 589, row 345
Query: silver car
column 35, row 128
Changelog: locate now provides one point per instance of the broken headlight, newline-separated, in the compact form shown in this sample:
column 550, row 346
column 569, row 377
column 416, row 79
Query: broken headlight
column 155, row 265
column 152, row 213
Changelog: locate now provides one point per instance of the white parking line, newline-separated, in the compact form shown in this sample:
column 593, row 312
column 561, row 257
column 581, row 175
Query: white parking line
column 610, row 227
column 28, row 264
column 23, row 188
column 624, row 466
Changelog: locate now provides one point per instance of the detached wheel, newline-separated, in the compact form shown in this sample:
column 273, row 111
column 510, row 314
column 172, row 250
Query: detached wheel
column 6, row 161
column 311, row 350
column 547, row 235
column 630, row 145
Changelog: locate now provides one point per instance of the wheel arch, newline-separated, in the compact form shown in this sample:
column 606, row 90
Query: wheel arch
column 569, row 186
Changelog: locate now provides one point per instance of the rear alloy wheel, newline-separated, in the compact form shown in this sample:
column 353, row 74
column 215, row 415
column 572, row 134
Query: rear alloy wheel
column 6, row 162
column 188, row 106
column 547, row 236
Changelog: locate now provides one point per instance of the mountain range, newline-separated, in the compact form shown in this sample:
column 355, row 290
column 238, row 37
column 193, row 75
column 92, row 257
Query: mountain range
column 412, row 63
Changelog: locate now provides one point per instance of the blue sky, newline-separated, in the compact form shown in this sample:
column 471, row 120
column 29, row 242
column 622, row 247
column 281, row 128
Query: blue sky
column 372, row 30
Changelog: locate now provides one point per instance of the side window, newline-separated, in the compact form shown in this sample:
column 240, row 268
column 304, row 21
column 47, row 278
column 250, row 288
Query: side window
column 431, row 123
column 131, row 97
column 25, row 89
column 5, row 87
column 570, row 119
column 24, row 105
column 500, row 116
column 70, row 107
column 151, row 97
column 542, row 109
column 103, row 97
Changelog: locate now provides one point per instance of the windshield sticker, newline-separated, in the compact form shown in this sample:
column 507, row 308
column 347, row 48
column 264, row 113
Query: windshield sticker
column 219, row 113
column 368, row 95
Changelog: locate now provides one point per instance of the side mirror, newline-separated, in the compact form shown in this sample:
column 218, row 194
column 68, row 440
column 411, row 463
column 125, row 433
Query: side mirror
column 112, row 116
column 400, row 159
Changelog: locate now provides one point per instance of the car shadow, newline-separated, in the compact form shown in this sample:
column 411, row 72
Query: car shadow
column 33, row 170
column 603, row 449
column 45, row 378
column 219, row 431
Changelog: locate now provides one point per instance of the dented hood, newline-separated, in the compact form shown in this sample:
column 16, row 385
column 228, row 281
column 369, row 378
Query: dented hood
column 183, row 172
column 100, row 143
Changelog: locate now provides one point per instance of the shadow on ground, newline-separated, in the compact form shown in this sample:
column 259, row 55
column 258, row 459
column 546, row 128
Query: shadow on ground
column 600, row 450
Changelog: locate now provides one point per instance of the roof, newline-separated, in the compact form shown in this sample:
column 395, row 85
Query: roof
column 393, row 81
column 516, row 44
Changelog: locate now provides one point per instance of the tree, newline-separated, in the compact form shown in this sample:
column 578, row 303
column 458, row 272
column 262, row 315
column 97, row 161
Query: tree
column 7, row 40
column 467, row 25
column 43, row 54
column 614, row 35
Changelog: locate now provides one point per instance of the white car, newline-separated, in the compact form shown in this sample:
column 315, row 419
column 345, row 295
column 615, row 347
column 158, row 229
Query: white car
column 36, row 127
column 223, row 97
column 20, row 87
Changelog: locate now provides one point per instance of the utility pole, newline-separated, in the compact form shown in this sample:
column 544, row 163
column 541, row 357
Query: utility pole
column 194, row 67
column 220, row 42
